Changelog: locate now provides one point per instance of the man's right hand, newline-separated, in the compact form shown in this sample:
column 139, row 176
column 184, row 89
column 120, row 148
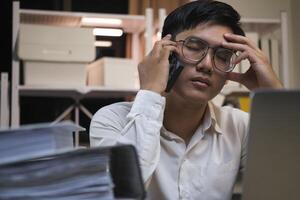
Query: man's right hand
column 154, row 68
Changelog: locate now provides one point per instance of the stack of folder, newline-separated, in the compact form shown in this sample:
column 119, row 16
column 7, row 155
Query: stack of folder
column 29, row 141
column 80, row 174
column 62, row 172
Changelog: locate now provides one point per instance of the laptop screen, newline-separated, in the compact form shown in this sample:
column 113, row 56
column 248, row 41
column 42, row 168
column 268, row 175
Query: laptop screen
column 273, row 162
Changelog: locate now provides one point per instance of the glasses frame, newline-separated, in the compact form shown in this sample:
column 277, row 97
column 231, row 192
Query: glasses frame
column 196, row 62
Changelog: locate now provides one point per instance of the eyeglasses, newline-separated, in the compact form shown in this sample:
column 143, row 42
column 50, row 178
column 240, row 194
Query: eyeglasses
column 194, row 51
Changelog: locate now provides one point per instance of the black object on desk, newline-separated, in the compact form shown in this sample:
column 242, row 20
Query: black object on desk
column 126, row 174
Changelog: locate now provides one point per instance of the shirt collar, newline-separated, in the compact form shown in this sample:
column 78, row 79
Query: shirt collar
column 209, row 121
column 169, row 135
column 214, row 113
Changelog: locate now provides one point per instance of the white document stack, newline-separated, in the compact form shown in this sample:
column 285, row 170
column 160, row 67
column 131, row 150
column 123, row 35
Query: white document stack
column 30, row 141
column 78, row 174
column 39, row 162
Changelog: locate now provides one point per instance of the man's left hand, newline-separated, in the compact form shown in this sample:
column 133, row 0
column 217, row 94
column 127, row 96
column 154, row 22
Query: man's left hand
column 260, row 74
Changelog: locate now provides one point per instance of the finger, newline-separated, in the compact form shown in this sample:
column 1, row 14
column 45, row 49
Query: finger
column 160, row 44
column 235, row 46
column 241, row 57
column 233, row 76
column 167, row 43
column 240, row 39
column 157, row 50
column 251, row 53
column 167, row 37
column 171, row 46
column 235, row 38
column 166, row 52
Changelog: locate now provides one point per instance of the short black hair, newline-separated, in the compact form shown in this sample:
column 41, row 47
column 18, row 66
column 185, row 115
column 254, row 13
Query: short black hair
column 198, row 12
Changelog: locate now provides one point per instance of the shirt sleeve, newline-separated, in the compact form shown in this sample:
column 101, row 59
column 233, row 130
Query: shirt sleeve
column 140, row 127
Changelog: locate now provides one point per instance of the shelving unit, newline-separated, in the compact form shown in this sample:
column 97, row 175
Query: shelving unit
column 133, row 24
column 76, row 94
column 4, row 108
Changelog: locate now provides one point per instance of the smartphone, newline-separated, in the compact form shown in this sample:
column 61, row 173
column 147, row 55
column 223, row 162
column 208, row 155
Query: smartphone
column 175, row 69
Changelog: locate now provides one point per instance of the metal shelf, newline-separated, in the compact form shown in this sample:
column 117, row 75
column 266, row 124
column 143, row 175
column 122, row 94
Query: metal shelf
column 261, row 26
column 133, row 24
column 75, row 93
column 129, row 23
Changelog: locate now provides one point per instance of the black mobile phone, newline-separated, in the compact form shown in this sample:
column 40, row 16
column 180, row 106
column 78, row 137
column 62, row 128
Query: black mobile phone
column 175, row 68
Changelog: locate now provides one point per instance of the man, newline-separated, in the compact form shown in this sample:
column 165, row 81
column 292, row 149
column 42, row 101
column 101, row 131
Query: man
column 188, row 147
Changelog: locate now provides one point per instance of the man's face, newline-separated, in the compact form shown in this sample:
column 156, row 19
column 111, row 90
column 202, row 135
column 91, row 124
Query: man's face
column 201, row 82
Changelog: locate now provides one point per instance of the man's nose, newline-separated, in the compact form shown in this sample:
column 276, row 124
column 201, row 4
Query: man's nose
column 206, row 64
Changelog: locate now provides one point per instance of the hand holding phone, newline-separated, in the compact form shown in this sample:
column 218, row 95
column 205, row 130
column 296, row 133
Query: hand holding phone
column 175, row 69
column 161, row 67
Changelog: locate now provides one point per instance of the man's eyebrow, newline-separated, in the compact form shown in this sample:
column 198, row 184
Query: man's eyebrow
column 210, row 45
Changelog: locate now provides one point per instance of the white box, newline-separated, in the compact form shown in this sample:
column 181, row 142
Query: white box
column 55, row 56
column 119, row 73
column 55, row 74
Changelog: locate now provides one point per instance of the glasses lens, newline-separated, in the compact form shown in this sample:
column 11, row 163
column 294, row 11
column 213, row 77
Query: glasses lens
column 194, row 49
column 224, row 59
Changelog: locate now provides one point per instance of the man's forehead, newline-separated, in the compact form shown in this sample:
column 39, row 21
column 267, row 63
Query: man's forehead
column 213, row 34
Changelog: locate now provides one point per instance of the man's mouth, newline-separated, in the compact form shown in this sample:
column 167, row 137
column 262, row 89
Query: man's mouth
column 201, row 82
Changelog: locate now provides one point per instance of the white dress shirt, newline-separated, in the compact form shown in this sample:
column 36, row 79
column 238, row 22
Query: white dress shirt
column 204, row 169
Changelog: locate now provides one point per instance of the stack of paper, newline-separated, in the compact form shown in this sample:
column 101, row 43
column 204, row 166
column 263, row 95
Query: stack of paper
column 78, row 174
column 39, row 162
column 30, row 141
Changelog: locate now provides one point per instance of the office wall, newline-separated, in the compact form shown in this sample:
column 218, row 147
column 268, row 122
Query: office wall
column 260, row 8
column 295, row 5
column 272, row 9
column 139, row 6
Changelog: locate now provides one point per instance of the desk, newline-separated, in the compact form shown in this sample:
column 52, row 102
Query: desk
column 76, row 94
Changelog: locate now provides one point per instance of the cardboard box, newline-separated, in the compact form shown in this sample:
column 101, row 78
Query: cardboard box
column 118, row 73
column 55, row 56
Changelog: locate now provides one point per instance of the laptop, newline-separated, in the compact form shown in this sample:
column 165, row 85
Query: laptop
column 273, row 165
